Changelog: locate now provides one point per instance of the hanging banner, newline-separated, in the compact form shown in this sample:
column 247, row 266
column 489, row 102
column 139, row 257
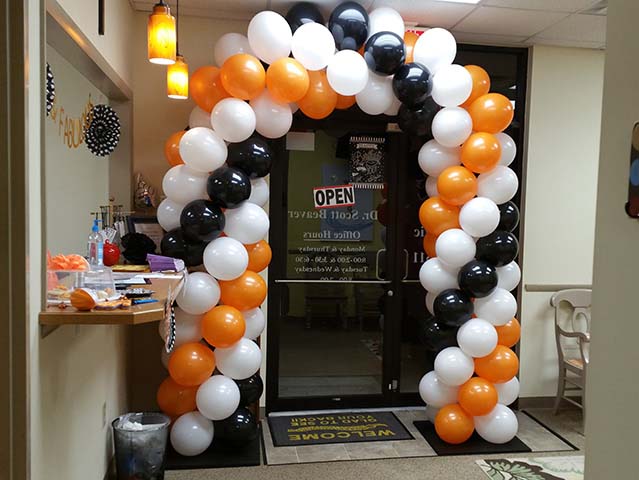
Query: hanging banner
column 334, row 197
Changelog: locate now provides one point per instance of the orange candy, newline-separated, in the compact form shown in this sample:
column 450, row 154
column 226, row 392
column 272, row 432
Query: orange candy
column 174, row 399
column 260, row 255
column 320, row 99
column 206, row 87
column 429, row 244
column 437, row 216
column 477, row 396
column 481, row 152
column 243, row 76
column 222, row 326
column 453, row 425
column 191, row 364
column 456, row 185
column 409, row 44
column 245, row 292
column 481, row 83
column 499, row 366
column 508, row 335
column 491, row 113
column 344, row 103
column 287, row 80
column 172, row 149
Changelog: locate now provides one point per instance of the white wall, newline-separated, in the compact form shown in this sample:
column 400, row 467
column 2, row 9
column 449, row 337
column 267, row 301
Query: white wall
column 560, row 190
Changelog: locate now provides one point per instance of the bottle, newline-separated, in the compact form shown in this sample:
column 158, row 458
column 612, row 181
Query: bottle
column 96, row 245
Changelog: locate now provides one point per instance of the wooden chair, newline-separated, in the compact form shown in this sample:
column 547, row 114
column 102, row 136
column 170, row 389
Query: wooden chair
column 572, row 334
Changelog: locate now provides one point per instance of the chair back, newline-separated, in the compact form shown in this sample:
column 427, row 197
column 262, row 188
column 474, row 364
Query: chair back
column 572, row 315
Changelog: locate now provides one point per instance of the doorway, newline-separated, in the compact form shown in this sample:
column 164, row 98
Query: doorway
column 346, row 309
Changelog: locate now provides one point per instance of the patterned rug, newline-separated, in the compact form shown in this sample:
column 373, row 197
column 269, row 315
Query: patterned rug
column 541, row 468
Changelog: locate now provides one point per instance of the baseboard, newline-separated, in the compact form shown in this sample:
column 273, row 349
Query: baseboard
column 544, row 402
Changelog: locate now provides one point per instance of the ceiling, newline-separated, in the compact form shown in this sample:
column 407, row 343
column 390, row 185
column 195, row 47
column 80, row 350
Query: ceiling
column 574, row 23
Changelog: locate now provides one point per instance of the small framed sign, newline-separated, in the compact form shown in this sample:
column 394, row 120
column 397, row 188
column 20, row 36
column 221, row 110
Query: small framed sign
column 149, row 226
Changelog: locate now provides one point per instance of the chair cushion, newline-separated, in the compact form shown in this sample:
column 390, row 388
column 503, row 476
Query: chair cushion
column 575, row 362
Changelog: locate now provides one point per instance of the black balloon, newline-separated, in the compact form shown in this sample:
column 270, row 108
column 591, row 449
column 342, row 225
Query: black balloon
column 417, row 121
column 434, row 335
column 253, row 156
column 301, row 13
column 412, row 84
column 348, row 24
column 250, row 389
column 174, row 245
column 499, row 248
column 238, row 429
column 194, row 253
column 384, row 53
column 508, row 217
column 477, row 279
column 228, row 187
column 453, row 307
column 201, row 221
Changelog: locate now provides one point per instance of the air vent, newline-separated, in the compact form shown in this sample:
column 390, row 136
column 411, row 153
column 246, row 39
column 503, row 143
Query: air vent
column 599, row 8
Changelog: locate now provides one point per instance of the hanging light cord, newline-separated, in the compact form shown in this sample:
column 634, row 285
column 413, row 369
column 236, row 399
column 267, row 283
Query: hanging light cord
column 177, row 27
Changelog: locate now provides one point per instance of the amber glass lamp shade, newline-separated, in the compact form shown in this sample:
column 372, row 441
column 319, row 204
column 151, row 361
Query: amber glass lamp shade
column 177, row 79
column 161, row 35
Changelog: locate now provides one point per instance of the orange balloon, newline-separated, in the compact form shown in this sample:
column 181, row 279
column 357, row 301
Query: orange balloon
column 172, row 149
column 245, row 292
column 222, row 326
column 429, row 244
column 174, row 399
column 191, row 364
column 481, row 152
column 320, row 100
column 481, row 83
column 287, row 80
column 456, row 185
column 477, row 396
column 499, row 366
column 260, row 255
column 206, row 87
column 243, row 76
column 345, row 102
column 491, row 113
column 453, row 425
column 437, row 217
column 508, row 335
column 409, row 43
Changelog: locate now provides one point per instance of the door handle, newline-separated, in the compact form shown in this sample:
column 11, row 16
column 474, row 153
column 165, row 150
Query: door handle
column 377, row 263
column 406, row 255
column 390, row 293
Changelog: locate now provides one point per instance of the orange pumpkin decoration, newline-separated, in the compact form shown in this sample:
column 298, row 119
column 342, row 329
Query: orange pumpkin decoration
column 82, row 299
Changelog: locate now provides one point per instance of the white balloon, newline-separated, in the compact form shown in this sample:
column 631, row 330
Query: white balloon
column 168, row 214
column 294, row 107
column 164, row 358
column 508, row 392
column 499, row 184
column 508, row 276
column 394, row 108
column 437, row 277
column 385, row 19
column 269, row 36
column 313, row 46
column 239, row 361
column 233, row 119
column 225, row 258
column 218, row 397
column 202, row 149
column 453, row 367
column 455, row 248
column 259, row 192
column 199, row 294
column 183, row 185
column 436, row 393
column 499, row 426
column 498, row 308
column 431, row 187
column 435, row 48
column 347, row 72
column 191, row 434
column 430, row 300
column 434, row 158
column 452, row 126
column 247, row 223
column 230, row 44
column 508, row 148
column 255, row 322
column 377, row 96
column 477, row 338
column 452, row 85
column 479, row 217
column 431, row 413
column 199, row 118
column 188, row 328
column 272, row 119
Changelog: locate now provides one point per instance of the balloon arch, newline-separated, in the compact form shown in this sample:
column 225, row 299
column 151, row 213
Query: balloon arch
column 216, row 190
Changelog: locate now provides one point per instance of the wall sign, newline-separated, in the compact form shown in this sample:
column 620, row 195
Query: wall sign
column 334, row 197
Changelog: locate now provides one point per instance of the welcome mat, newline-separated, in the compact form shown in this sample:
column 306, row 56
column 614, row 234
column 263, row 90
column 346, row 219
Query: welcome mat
column 543, row 468
column 343, row 427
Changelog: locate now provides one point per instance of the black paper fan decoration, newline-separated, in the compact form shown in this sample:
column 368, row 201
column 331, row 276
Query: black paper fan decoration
column 102, row 130
column 50, row 89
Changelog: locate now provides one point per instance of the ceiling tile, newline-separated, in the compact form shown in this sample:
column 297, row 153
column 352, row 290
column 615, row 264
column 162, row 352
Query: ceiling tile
column 588, row 28
column 566, row 43
column 325, row 6
column 569, row 6
column 483, row 39
column 428, row 13
column 506, row 21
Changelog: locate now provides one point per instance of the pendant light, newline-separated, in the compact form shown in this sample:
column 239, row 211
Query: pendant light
column 161, row 35
column 177, row 75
